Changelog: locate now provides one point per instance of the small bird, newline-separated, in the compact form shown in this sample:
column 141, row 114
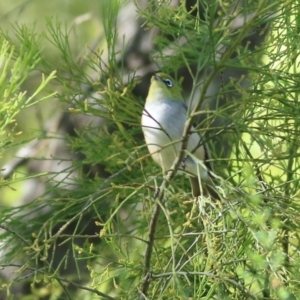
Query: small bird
column 163, row 122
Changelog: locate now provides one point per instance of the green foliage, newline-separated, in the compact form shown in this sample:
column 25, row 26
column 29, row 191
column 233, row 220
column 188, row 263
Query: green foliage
column 102, row 223
column 16, row 67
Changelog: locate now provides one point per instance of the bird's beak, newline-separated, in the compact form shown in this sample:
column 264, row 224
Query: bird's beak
column 156, row 77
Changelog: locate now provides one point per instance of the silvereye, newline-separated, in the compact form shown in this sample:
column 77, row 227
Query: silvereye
column 163, row 122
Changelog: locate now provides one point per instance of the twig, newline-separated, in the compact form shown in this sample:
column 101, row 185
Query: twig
column 85, row 288
column 147, row 261
column 15, row 234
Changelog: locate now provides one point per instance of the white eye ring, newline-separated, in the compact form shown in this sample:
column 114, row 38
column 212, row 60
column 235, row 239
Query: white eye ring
column 168, row 82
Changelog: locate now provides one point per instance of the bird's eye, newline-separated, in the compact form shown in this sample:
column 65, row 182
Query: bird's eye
column 168, row 82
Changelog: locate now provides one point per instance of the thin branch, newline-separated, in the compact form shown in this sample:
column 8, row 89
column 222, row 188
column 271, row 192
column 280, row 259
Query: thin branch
column 150, row 244
column 86, row 288
column 15, row 234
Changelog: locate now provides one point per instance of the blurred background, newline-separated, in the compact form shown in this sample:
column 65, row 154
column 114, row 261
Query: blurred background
column 82, row 22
